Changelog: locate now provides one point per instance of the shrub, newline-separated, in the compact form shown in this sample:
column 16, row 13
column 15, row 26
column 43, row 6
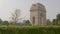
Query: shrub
column 30, row 30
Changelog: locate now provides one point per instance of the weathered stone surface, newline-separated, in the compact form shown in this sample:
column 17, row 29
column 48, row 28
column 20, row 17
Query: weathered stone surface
column 38, row 14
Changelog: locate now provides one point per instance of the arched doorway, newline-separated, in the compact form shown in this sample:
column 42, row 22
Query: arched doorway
column 33, row 19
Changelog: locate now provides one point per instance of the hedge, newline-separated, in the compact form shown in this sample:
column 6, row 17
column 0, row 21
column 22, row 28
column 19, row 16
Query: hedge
column 30, row 30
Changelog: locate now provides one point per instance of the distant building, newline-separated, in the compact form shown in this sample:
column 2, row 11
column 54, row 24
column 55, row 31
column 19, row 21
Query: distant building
column 38, row 14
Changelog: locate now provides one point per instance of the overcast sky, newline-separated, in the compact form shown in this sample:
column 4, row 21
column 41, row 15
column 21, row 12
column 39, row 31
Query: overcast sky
column 8, row 6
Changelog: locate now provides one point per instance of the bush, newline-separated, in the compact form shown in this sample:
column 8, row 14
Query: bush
column 30, row 30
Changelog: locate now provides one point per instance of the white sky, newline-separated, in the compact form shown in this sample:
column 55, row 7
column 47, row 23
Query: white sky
column 8, row 6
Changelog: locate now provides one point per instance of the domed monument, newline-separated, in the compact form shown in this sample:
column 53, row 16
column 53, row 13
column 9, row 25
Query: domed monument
column 38, row 14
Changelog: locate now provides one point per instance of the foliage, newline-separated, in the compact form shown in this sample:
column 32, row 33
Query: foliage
column 5, row 23
column 15, row 16
column 54, row 21
column 1, row 21
column 11, row 23
column 58, row 19
column 27, row 22
column 30, row 30
column 58, row 16
column 58, row 22
column 49, row 22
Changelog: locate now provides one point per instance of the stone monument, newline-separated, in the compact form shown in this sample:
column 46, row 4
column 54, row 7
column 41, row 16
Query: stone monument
column 38, row 14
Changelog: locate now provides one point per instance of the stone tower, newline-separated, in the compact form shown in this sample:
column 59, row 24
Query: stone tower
column 38, row 14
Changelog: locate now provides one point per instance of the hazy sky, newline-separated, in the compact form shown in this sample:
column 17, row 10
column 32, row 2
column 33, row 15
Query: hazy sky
column 8, row 6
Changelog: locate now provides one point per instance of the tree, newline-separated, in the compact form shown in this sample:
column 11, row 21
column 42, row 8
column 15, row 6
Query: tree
column 49, row 22
column 58, row 16
column 58, row 19
column 16, row 16
column 1, row 21
column 58, row 22
column 11, row 23
column 6, row 23
column 54, row 21
column 27, row 22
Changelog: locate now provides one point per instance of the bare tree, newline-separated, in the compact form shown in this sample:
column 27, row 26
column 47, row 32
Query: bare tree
column 16, row 16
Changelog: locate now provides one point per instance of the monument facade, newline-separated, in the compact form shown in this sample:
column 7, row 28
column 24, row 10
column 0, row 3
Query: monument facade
column 38, row 14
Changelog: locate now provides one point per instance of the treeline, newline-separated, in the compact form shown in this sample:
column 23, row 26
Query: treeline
column 15, row 19
column 24, row 23
column 54, row 21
